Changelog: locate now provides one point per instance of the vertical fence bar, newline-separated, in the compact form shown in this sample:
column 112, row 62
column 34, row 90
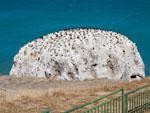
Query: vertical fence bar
column 126, row 103
column 148, row 100
column 129, row 103
column 142, row 98
column 116, row 105
column 119, row 104
column 98, row 109
column 102, row 109
column 123, row 101
column 111, row 106
column 138, row 101
column 105, row 108
column 123, row 109
column 143, row 102
column 132, row 102
column 108, row 107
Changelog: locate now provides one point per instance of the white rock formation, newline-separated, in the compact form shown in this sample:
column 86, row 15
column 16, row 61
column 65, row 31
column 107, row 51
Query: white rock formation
column 79, row 54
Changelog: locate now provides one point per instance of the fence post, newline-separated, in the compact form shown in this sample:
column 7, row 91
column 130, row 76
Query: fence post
column 125, row 103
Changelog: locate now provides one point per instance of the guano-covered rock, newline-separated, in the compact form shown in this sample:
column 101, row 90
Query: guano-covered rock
column 79, row 54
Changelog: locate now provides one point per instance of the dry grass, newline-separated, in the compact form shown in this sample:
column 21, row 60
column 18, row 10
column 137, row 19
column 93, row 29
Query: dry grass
column 36, row 95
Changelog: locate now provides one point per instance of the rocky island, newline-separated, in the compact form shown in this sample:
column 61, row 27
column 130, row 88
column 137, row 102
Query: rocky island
column 80, row 54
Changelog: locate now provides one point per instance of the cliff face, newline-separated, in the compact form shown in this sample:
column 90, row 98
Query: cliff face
column 79, row 54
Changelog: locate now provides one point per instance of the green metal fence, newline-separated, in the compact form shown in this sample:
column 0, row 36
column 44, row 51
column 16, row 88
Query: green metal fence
column 104, row 104
column 138, row 100
column 135, row 101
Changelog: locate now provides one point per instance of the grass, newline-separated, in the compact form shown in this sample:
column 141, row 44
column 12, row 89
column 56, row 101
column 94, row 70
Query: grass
column 37, row 95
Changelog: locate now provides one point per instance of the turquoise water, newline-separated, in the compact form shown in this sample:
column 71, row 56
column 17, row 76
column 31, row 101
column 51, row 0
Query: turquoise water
column 22, row 21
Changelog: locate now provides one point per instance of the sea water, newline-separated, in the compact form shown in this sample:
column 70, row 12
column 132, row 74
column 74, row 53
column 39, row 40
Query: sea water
column 22, row 21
